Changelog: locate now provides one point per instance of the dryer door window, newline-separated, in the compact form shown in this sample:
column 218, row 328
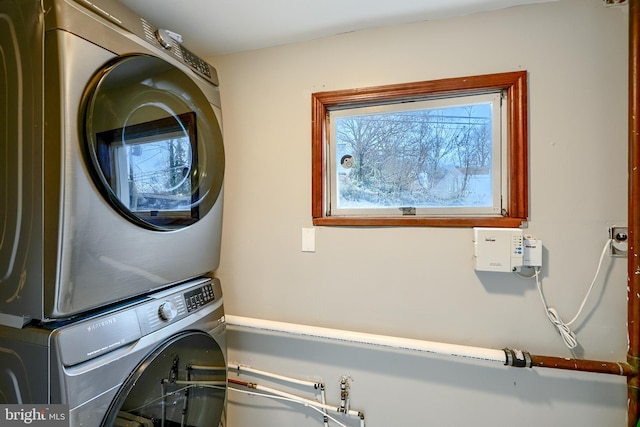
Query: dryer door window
column 182, row 383
column 153, row 143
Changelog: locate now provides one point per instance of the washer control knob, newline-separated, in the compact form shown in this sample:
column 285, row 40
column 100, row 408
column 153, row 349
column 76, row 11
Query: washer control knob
column 167, row 311
column 164, row 38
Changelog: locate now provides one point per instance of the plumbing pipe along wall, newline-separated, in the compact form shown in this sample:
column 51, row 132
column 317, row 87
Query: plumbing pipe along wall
column 394, row 343
column 633, row 272
column 516, row 358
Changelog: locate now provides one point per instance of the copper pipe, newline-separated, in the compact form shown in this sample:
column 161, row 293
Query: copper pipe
column 633, row 276
column 600, row 367
column 243, row 383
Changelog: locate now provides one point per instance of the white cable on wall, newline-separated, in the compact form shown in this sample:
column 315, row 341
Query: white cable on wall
column 398, row 343
column 568, row 336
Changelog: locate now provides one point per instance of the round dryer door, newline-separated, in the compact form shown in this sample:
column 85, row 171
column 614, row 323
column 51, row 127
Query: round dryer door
column 153, row 143
column 182, row 383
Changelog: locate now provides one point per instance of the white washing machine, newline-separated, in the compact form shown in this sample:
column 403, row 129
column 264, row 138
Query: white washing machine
column 159, row 361
column 111, row 159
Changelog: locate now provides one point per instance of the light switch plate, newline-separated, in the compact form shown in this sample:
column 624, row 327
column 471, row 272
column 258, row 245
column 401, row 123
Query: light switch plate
column 308, row 240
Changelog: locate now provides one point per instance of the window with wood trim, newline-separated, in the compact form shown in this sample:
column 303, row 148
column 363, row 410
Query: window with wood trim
column 449, row 152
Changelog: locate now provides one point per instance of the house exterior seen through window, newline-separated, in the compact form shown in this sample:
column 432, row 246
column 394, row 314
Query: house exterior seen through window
column 425, row 158
column 422, row 154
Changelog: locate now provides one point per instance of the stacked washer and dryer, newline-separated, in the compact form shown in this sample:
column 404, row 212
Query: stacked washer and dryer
column 111, row 170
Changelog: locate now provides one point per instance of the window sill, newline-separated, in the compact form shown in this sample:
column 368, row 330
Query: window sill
column 507, row 222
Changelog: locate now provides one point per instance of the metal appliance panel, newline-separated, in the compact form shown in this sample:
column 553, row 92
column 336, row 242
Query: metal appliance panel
column 56, row 363
column 21, row 123
column 66, row 250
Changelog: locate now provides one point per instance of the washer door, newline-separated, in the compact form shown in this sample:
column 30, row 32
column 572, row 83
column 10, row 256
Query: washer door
column 182, row 383
column 153, row 143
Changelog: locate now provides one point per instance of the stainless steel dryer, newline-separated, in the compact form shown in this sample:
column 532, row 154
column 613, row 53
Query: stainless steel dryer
column 159, row 361
column 111, row 159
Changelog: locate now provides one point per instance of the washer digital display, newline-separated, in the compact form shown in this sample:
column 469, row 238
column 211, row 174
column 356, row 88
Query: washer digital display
column 196, row 298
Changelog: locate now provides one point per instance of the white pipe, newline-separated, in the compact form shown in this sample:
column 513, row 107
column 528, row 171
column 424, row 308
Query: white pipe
column 272, row 396
column 198, row 383
column 207, row 368
column 398, row 343
column 303, row 400
column 323, row 399
column 245, row 368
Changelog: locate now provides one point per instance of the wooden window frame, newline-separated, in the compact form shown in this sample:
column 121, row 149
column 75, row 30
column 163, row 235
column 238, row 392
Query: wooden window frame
column 515, row 86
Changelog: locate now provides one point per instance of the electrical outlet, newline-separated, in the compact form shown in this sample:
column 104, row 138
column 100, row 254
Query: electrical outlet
column 619, row 241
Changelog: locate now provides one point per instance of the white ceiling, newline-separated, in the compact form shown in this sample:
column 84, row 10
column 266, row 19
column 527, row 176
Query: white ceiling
column 213, row 27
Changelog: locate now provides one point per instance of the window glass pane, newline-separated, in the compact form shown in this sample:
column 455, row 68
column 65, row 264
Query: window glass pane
column 422, row 158
column 149, row 167
column 157, row 175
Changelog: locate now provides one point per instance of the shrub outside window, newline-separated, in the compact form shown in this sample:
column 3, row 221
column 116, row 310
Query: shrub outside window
column 449, row 152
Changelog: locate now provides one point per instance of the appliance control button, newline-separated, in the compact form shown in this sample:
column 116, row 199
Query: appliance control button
column 167, row 311
column 164, row 38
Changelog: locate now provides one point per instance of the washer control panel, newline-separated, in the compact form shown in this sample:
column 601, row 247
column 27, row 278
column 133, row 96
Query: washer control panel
column 198, row 297
column 176, row 303
column 96, row 335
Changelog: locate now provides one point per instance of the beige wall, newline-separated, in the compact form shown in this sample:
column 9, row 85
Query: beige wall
column 419, row 282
